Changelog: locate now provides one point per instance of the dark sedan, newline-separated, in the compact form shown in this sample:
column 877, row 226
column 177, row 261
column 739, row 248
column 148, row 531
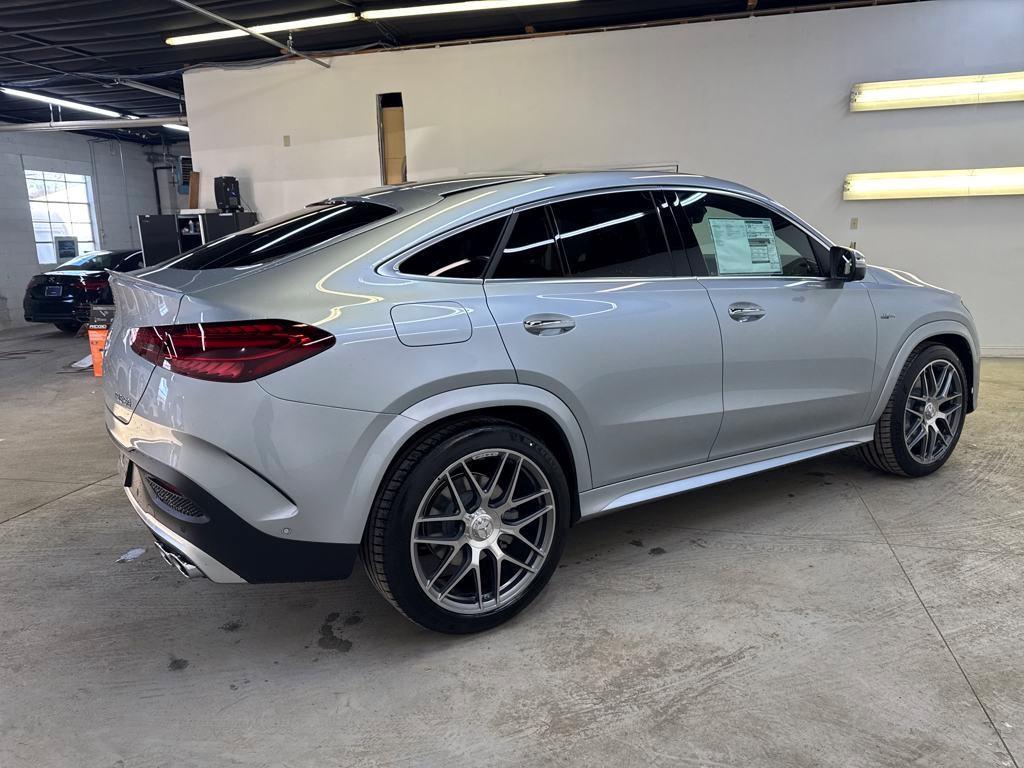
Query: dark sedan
column 64, row 295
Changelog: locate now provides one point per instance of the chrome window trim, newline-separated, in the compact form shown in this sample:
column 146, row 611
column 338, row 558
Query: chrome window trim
column 390, row 266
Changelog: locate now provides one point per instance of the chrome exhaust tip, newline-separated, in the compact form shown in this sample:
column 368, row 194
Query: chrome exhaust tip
column 180, row 563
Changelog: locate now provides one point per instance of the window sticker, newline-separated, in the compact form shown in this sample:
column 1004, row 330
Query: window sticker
column 745, row 246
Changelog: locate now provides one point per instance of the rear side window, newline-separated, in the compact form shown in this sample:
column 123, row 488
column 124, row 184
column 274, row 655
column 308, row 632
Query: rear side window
column 740, row 237
column 462, row 255
column 612, row 235
column 530, row 251
column 284, row 236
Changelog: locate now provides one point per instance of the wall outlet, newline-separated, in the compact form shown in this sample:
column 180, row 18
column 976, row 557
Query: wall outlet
column 287, row 140
column 854, row 222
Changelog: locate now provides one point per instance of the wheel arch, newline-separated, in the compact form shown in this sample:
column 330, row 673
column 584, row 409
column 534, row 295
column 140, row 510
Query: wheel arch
column 955, row 335
column 535, row 409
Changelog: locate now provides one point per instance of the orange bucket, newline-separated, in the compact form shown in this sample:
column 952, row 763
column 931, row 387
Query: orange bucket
column 97, row 338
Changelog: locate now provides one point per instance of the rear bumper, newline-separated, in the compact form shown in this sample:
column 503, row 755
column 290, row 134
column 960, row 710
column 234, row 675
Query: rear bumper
column 196, row 532
column 49, row 310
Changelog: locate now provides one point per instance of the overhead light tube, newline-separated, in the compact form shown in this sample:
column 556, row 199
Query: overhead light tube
column 281, row 26
column 469, row 5
column 175, row 126
column 937, row 92
column 971, row 182
column 64, row 103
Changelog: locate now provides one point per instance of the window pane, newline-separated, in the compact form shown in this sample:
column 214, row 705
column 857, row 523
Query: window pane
column 739, row 237
column 56, row 191
column 530, row 251
column 462, row 255
column 39, row 211
column 86, row 246
column 79, row 213
column 613, row 235
column 36, row 188
column 42, row 232
column 77, row 193
column 60, row 228
column 81, row 231
column 53, row 176
column 60, row 212
column 33, row 174
column 75, row 177
column 284, row 236
column 44, row 252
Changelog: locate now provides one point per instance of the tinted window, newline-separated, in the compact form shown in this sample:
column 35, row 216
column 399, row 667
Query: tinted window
column 530, row 251
column 96, row 260
column 613, row 235
column 283, row 236
column 128, row 263
column 462, row 255
column 739, row 237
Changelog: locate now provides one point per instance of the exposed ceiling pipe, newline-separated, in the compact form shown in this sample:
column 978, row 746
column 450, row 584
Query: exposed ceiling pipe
column 95, row 125
column 258, row 35
column 147, row 87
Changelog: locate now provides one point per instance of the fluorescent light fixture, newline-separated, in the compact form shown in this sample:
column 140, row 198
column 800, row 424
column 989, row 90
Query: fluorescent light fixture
column 281, row 26
column 176, row 127
column 60, row 102
column 937, row 92
column 470, row 5
column 972, row 182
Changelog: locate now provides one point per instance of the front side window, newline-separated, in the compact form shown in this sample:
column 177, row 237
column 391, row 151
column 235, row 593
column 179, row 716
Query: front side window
column 530, row 252
column 612, row 235
column 464, row 254
column 283, row 236
column 739, row 237
column 61, row 205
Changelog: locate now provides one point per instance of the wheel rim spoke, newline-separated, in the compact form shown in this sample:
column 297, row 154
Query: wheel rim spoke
column 503, row 482
column 933, row 411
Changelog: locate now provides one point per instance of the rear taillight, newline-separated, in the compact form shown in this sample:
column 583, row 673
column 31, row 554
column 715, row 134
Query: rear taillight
column 233, row 351
column 93, row 283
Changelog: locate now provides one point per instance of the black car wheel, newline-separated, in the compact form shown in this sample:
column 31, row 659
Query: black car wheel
column 468, row 526
column 924, row 417
column 68, row 326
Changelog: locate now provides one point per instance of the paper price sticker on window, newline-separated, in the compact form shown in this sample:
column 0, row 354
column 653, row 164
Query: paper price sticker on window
column 745, row 247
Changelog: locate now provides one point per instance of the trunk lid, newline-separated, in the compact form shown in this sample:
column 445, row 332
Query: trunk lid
column 125, row 374
column 57, row 285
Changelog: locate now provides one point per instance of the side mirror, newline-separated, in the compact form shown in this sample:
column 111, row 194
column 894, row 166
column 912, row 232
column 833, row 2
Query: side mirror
column 846, row 264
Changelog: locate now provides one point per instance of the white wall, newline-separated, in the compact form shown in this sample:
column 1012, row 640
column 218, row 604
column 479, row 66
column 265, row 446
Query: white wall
column 118, row 197
column 763, row 101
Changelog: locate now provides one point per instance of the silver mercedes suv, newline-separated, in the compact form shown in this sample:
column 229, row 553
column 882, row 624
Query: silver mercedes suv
column 442, row 378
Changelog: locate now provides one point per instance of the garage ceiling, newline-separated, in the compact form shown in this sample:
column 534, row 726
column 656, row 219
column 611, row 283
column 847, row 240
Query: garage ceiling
column 72, row 49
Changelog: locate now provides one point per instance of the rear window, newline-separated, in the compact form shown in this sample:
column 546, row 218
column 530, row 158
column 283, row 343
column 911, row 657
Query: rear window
column 96, row 260
column 284, row 236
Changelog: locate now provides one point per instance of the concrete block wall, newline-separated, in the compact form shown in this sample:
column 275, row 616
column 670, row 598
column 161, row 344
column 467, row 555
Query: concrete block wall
column 120, row 193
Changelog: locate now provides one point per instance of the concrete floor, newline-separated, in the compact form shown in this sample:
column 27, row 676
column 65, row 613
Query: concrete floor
column 819, row 615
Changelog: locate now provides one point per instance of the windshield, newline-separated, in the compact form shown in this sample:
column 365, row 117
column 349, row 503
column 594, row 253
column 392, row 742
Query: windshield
column 283, row 236
column 94, row 260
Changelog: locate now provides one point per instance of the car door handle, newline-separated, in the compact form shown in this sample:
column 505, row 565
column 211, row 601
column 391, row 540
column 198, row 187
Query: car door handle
column 745, row 312
column 548, row 324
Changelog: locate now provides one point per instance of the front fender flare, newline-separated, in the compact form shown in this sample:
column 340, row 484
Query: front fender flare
column 919, row 334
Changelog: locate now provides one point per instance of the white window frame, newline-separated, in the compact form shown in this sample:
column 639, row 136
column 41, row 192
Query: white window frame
column 51, row 201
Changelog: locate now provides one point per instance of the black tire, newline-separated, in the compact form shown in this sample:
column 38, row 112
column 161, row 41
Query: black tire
column 69, row 327
column 386, row 543
column 888, row 451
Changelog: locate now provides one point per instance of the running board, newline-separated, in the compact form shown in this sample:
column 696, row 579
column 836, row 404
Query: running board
column 629, row 493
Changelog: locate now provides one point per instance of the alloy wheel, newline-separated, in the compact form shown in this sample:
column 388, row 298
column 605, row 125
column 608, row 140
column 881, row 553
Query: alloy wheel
column 482, row 531
column 933, row 411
